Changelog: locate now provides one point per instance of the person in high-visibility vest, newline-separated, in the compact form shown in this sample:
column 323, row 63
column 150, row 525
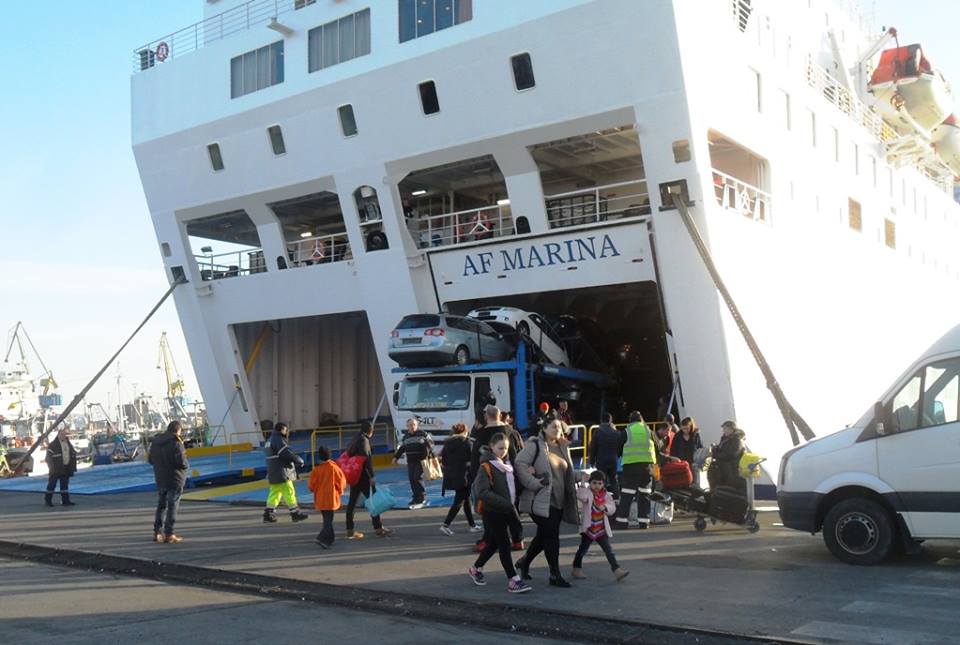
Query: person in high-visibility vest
column 639, row 458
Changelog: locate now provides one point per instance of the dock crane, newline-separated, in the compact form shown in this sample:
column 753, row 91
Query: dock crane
column 175, row 386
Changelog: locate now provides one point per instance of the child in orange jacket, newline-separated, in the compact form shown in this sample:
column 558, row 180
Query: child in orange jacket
column 327, row 483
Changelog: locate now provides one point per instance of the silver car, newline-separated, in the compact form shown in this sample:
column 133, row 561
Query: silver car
column 422, row 340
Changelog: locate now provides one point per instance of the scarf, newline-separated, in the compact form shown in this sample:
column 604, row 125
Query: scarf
column 597, row 529
column 507, row 470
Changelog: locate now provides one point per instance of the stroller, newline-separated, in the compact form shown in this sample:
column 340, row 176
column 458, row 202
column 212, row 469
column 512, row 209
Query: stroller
column 729, row 502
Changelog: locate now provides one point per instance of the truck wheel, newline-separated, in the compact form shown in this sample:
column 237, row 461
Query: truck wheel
column 858, row 531
column 462, row 355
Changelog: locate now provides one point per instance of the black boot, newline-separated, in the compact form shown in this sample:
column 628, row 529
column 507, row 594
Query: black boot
column 269, row 516
column 65, row 500
column 523, row 569
column 48, row 500
column 556, row 580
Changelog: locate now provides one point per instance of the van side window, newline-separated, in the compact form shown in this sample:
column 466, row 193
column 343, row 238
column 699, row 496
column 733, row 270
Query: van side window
column 931, row 398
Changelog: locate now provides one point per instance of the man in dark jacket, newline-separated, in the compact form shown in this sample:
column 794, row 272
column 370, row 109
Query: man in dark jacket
column 725, row 470
column 360, row 447
column 168, row 457
column 417, row 445
column 282, row 464
column 62, row 463
column 606, row 446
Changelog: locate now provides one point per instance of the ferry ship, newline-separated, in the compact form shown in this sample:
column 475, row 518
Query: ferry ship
column 318, row 169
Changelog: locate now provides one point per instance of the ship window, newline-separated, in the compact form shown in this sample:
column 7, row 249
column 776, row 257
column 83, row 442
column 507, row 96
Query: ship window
column 855, row 153
column 855, row 217
column 338, row 41
column 276, row 140
column 421, row 17
column 890, row 233
column 754, row 78
column 681, row 150
column 216, row 159
column 813, row 128
column 428, row 97
column 300, row 4
column 348, row 124
column 165, row 249
column 836, row 144
column 890, row 179
column 786, row 110
column 256, row 70
column 522, row 71
column 873, row 170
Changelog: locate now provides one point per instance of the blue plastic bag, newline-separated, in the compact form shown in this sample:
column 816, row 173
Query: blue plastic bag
column 380, row 502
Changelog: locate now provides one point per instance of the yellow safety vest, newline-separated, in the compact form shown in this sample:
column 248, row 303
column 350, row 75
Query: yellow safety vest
column 639, row 448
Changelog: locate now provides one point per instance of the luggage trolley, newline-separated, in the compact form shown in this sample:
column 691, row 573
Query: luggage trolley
column 724, row 504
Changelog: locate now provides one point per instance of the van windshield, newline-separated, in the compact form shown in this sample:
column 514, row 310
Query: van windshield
column 435, row 394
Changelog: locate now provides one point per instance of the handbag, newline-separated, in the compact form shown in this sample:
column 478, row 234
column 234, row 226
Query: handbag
column 379, row 502
column 431, row 468
column 352, row 467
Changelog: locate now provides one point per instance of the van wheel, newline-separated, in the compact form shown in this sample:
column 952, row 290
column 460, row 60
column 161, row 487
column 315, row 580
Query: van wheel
column 462, row 355
column 858, row 531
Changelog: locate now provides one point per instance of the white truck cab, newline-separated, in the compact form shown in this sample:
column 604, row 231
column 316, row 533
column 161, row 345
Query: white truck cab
column 440, row 400
column 892, row 479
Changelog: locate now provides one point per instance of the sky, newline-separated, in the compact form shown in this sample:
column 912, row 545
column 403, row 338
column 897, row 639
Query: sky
column 79, row 263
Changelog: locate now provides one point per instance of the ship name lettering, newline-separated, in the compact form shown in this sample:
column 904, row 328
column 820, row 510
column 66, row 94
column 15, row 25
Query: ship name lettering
column 570, row 251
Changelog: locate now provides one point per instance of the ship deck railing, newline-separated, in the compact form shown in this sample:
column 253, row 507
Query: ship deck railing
column 847, row 102
column 230, row 265
column 460, row 227
column 735, row 195
column 254, row 13
column 319, row 249
column 598, row 204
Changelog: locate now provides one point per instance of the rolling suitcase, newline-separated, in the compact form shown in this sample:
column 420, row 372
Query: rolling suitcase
column 676, row 474
column 727, row 504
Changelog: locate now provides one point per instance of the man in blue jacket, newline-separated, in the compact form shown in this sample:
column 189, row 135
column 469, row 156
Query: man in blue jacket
column 168, row 457
column 282, row 464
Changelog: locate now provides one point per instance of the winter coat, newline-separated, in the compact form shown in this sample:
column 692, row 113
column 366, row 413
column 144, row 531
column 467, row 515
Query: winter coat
column 493, row 489
column 282, row 462
column 327, row 483
column 54, row 459
column 606, row 445
column 455, row 460
column 685, row 448
column 168, row 457
column 585, row 499
column 727, row 455
column 536, row 495
column 417, row 446
column 360, row 447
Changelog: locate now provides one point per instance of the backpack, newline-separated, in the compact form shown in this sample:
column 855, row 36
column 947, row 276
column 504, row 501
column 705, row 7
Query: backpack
column 487, row 468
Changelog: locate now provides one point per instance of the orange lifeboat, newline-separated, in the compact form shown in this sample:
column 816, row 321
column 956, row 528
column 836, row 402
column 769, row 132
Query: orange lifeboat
column 912, row 96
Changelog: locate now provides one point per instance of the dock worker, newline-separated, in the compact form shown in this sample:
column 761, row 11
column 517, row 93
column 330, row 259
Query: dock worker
column 282, row 464
column 639, row 458
column 417, row 445
column 62, row 463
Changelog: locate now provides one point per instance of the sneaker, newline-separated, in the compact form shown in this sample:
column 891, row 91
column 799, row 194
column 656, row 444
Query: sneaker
column 158, row 537
column 172, row 539
column 354, row 535
column 477, row 576
column 518, row 586
column 298, row 516
column 384, row 532
column 517, row 546
column 416, row 506
column 476, row 528
column 446, row 530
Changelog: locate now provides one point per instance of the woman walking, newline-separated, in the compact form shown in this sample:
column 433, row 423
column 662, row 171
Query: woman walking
column 360, row 447
column 686, row 443
column 496, row 489
column 456, row 463
column 545, row 471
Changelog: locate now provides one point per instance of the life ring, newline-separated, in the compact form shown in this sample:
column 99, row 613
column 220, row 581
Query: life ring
column 163, row 51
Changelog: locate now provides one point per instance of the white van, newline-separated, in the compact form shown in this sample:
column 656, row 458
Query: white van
column 892, row 479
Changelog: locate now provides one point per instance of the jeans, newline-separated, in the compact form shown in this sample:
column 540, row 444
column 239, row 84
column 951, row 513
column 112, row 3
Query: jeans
column 461, row 497
column 604, row 542
column 636, row 482
column 326, row 534
column 415, row 475
column 497, row 523
column 547, row 540
column 52, row 480
column 363, row 486
column 610, row 470
column 168, row 501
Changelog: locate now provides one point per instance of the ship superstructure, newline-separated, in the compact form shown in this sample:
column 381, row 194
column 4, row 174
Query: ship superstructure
column 319, row 169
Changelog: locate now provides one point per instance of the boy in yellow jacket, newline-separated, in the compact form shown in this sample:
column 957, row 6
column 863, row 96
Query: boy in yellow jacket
column 327, row 483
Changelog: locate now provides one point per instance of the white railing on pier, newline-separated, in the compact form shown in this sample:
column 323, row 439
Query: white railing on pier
column 254, row 13
column 230, row 265
column 320, row 249
column 599, row 204
column 472, row 225
column 740, row 197
column 847, row 102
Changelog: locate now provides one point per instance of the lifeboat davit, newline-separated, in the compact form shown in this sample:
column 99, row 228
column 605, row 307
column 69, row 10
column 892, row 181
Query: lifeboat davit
column 911, row 95
column 946, row 143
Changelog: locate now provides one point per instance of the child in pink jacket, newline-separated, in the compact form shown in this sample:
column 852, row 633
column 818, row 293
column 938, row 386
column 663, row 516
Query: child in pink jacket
column 596, row 503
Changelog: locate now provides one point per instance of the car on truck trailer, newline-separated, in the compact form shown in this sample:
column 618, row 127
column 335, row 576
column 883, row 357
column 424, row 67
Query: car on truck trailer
column 891, row 480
